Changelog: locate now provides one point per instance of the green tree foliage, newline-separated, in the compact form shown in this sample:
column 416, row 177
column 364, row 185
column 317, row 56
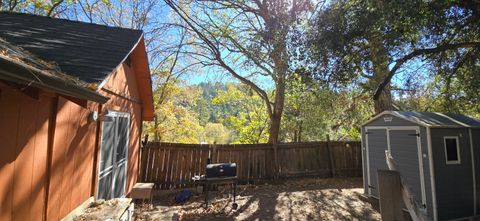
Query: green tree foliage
column 176, row 121
column 313, row 112
column 369, row 42
column 457, row 94
column 304, row 120
column 247, row 116
column 209, row 111
column 50, row 8
column 217, row 133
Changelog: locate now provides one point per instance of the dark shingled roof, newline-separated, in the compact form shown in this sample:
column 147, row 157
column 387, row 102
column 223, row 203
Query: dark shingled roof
column 87, row 51
column 22, row 67
column 434, row 119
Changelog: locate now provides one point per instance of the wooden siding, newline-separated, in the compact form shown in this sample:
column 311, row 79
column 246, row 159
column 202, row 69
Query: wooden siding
column 143, row 80
column 23, row 134
column 172, row 165
column 29, row 124
column 72, row 157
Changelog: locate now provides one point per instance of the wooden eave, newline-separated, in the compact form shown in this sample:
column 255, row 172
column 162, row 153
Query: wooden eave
column 144, row 79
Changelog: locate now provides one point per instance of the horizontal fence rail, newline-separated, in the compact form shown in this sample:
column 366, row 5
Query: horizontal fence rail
column 172, row 165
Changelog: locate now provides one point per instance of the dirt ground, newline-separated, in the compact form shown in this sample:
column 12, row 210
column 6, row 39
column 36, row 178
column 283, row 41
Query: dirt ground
column 299, row 199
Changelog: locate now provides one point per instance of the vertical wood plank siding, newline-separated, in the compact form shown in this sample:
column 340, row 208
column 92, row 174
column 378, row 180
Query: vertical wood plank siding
column 172, row 165
column 38, row 183
column 24, row 122
column 23, row 149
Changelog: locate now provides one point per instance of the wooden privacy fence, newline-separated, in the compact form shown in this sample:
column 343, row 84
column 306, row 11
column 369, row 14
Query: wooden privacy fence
column 172, row 165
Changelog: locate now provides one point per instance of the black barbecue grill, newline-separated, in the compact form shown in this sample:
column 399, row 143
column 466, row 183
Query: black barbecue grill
column 221, row 170
column 220, row 173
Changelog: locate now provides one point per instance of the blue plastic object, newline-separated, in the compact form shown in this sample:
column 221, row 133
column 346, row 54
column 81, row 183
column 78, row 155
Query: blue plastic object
column 183, row 196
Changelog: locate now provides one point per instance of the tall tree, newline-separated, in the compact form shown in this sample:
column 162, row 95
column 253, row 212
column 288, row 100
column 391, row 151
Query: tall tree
column 371, row 41
column 313, row 111
column 247, row 39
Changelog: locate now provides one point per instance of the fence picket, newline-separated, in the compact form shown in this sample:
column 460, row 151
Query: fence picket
column 171, row 165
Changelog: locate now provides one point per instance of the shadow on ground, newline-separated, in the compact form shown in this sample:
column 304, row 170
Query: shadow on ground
column 302, row 199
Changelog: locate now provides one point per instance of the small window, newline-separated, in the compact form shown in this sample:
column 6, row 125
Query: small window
column 452, row 150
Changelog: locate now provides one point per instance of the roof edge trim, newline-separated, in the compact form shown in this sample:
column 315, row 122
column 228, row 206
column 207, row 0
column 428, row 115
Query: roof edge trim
column 455, row 121
column 104, row 82
column 396, row 115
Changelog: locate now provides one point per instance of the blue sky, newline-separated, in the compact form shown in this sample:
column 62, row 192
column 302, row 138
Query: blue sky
column 210, row 74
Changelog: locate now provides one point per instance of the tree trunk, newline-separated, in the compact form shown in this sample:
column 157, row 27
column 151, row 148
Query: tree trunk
column 299, row 137
column 379, row 58
column 276, row 116
column 156, row 134
column 275, row 121
column 274, row 129
column 384, row 101
column 279, row 57
column 297, row 133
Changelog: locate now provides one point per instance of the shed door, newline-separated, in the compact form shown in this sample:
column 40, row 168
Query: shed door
column 377, row 143
column 113, row 156
column 406, row 152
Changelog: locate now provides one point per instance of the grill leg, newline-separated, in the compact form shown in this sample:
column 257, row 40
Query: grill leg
column 234, row 191
column 234, row 205
column 206, row 194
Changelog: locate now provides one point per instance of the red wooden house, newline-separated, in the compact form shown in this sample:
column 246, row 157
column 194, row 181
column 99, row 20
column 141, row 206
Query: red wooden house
column 73, row 97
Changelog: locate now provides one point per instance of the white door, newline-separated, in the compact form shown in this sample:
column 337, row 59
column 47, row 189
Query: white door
column 112, row 174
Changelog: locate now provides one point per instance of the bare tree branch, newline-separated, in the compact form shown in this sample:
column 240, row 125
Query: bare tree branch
column 417, row 53
column 54, row 6
column 216, row 52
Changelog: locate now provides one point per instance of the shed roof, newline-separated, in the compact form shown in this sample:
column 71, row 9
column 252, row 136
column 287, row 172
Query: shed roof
column 87, row 51
column 433, row 119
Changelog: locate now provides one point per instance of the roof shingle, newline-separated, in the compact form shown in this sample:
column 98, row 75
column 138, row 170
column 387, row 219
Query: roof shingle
column 86, row 51
column 433, row 119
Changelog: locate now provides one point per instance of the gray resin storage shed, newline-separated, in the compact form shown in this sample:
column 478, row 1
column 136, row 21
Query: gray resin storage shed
column 437, row 154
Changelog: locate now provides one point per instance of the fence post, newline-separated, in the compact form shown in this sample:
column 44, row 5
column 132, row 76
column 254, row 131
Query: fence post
column 389, row 190
column 214, row 154
column 141, row 164
column 144, row 150
column 330, row 158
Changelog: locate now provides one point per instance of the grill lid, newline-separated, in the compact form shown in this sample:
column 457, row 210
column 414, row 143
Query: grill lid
column 221, row 170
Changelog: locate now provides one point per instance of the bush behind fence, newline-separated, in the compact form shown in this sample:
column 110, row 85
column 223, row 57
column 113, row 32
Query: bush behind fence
column 172, row 165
